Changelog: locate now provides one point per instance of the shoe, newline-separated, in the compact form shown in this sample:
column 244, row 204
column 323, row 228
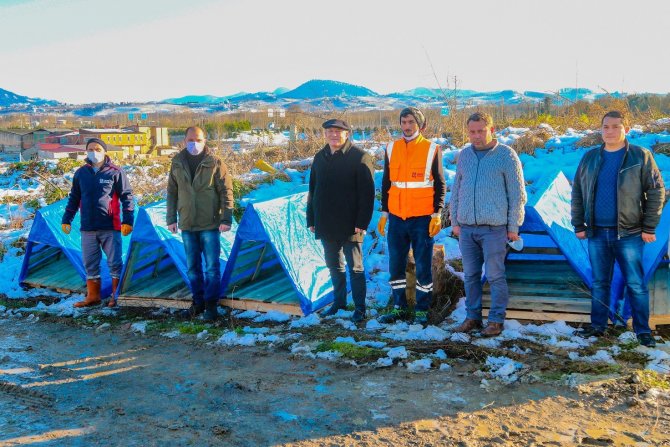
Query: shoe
column 92, row 294
column 421, row 317
column 617, row 329
column 358, row 316
column 492, row 329
column 211, row 311
column 468, row 325
column 592, row 332
column 193, row 311
column 646, row 340
column 332, row 310
column 398, row 313
column 112, row 299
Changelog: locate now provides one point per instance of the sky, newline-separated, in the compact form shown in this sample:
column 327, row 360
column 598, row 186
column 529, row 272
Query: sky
column 81, row 51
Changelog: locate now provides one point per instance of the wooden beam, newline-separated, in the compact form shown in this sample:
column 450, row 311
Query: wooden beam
column 127, row 301
column 544, row 316
column 291, row 309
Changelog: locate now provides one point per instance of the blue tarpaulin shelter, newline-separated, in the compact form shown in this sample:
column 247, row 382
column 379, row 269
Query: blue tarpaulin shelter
column 53, row 259
column 156, row 267
column 276, row 261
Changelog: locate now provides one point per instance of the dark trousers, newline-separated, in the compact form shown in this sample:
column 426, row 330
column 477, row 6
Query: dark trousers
column 93, row 243
column 403, row 234
column 335, row 253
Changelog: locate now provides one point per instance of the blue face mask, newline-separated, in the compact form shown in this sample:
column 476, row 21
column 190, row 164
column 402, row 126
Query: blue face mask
column 96, row 157
column 194, row 147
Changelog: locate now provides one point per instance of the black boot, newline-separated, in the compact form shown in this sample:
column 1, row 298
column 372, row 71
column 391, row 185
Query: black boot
column 193, row 311
column 211, row 311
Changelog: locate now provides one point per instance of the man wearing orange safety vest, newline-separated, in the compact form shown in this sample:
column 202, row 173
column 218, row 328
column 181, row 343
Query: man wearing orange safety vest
column 413, row 191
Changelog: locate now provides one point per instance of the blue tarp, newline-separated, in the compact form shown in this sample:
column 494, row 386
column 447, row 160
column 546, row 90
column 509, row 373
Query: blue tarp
column 280, row 224
column 46, row 232
column 151, row 228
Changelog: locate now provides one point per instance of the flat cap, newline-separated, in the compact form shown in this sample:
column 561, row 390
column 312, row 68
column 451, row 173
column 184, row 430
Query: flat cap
column 336, row 123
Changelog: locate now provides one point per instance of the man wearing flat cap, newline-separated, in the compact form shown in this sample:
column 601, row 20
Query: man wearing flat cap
column 413, row 191
column 339, row 209
column 102, row 192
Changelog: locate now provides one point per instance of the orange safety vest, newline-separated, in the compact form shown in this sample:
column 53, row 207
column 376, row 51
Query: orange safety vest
column 411, row 193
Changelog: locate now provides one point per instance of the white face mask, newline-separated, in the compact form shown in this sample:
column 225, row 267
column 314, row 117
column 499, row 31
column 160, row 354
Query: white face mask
column 96, row 157
column 413, row 136
column 194, row 147
column 516, row 245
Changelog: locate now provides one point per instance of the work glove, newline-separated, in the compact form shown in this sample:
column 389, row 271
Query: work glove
column 435, row 225
column 381, row 225
column 126, row 229
column 66, row 228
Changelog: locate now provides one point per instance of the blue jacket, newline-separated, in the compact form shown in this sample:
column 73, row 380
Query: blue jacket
column 98, row 196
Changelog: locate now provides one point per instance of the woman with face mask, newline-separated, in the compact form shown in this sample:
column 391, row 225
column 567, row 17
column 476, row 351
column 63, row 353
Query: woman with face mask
column 102, row 192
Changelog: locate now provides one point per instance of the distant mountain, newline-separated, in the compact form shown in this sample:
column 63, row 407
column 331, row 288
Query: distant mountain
column 202, row 99
column 318, row 88
column 10, row 99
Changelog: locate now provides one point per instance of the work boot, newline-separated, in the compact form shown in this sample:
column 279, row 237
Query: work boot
column 492, row 329
column 468, row 325
column 92, row 294
column 211, row 313
column 112, row 299
column 421, row 317
column 591, row 332
column 358, row 316
column 193, row 311
column 398, row 313
column 646, row 340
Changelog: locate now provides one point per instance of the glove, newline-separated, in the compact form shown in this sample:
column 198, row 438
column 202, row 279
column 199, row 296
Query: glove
column 126, row 229
column 381, row 225
column 66, row 228
column 435, row 225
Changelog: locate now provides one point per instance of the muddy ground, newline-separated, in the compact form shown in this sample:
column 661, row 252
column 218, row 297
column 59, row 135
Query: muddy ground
column 63, row 384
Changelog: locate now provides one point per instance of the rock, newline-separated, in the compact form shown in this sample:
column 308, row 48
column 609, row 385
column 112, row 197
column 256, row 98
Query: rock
column 103, row 327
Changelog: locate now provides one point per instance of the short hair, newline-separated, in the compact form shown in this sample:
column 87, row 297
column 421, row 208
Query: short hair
column 480, row 116
column 195, row 128
column 615, row 114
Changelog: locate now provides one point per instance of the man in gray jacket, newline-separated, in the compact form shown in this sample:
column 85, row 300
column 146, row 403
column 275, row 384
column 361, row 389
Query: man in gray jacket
column 487, row 209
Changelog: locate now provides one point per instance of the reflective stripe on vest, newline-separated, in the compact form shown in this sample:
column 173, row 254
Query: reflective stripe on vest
column 427, row 182
column 389, row 150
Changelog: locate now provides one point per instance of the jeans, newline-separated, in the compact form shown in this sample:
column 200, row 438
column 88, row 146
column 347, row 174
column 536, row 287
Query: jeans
column 403, row 234
column 484, row 245
column 207, row 244
column 604, row 248
column 335, row 253
column 110, row 242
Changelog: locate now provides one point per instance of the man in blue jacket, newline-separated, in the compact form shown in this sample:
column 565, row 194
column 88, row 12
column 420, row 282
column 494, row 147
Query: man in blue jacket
column 102, row 192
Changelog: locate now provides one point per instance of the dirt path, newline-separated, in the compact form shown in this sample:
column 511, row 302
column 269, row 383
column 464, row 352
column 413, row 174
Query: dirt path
column 63, row 385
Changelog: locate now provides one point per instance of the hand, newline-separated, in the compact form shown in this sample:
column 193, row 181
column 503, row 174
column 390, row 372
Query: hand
column 172, row 228
column 311, row 228
column 435, row 226
column 66, row 228
column 359, row 230
column 381, row 225
column 455, row 230
column 511, row 236
column 647, row 238
column 126, row 229
column 581, row 234
column 223, row 228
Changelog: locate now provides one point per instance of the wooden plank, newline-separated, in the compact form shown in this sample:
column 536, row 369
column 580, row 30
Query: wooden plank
column 658, row 291
column 658, row 320
column 126, row 301
column 544, row 306
column 260, row 306
column 544, row 316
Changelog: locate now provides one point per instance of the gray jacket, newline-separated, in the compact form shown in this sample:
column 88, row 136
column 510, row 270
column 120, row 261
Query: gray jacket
column 490, row 191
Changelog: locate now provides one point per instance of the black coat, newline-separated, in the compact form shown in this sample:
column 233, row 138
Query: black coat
column 341, row 193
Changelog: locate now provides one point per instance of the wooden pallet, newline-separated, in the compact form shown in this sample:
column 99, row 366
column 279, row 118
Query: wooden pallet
column 260, row 306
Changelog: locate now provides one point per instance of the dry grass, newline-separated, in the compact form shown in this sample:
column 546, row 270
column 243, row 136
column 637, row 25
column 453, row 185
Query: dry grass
column 593, row 139
column 528, row 142
column 662, row 148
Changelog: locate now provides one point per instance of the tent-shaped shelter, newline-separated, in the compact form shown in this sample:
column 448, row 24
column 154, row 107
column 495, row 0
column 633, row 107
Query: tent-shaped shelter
column 275, row 262
column 551, row 277
column 156, row 271
column 53, row 259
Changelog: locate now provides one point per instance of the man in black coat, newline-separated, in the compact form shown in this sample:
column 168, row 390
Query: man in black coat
column 339, row 209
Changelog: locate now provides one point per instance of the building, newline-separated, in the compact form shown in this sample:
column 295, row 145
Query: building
column 15, row 140
column 132, row 142
column 57, row 151
column 156, row 136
